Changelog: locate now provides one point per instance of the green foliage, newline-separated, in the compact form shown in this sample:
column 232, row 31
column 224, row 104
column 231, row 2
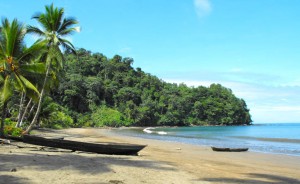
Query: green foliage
column 84, row 120
column 10, row 122
column 54, row 116
column 104, row 116
column 93, row 84
column 10, row 129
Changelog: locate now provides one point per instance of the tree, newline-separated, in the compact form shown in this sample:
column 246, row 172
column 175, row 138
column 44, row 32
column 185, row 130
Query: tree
column 14, row 63
column 54, row 30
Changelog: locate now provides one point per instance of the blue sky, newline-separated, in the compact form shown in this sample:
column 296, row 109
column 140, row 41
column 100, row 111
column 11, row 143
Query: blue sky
column 250, row 46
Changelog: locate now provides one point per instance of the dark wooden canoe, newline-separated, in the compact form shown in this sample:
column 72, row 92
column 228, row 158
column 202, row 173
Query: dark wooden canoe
column 102, row 148
column 229, row 149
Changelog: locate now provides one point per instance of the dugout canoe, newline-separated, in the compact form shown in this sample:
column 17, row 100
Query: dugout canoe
column 229, row 149
column 101, row 148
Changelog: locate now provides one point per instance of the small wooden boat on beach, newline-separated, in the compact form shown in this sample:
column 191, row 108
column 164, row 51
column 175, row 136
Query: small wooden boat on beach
column 229, row 149
column 101, row 148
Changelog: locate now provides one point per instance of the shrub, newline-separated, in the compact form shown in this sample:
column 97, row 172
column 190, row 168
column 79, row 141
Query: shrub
column 13, row 131
column 105, row 116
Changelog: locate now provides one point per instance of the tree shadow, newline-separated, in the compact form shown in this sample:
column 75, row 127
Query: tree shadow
column 85, row 163
column 256, row 178
column 5, row 179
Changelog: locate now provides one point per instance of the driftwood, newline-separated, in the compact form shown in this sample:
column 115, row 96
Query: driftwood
column 102, row 148
column 4, row 141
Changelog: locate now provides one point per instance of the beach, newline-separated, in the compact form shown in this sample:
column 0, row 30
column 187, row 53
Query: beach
column 160, row 162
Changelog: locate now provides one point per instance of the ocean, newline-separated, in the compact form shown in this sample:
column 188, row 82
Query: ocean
column 278, row 138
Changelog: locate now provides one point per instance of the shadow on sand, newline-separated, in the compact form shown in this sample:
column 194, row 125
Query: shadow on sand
column 83, row 163
column 13, row 179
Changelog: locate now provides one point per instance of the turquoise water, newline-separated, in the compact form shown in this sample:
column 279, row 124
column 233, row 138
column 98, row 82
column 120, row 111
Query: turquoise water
column 271, row 138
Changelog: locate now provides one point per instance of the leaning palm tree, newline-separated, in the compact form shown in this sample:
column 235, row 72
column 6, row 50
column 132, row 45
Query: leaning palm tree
column 14, row 63
column 54, row 30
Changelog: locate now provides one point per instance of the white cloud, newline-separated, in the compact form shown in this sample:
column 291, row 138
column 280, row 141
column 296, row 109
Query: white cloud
column 203, row 7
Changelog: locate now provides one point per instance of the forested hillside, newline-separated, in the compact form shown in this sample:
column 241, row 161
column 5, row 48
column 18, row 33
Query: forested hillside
column 97, row 91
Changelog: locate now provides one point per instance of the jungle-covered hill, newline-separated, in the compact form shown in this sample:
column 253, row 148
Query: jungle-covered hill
column 97, row 91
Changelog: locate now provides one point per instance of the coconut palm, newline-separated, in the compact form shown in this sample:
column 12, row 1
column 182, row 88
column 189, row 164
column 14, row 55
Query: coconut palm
column 54, row 30
column 14, row 65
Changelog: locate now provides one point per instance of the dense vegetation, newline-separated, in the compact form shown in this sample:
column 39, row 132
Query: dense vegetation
column 41, row 85
column 98, row 91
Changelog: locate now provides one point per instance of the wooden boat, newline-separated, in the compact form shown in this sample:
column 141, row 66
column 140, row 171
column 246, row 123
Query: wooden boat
column 102, row 148
column 229, row 149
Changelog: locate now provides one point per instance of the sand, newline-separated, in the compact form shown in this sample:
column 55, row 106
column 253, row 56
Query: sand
column 160, row 162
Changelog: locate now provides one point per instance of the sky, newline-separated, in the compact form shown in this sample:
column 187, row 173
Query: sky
column 249, row 46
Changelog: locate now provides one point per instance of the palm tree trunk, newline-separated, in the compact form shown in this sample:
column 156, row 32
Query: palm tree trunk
column 30, row 112
column 21, row 108
column 3, row 119
column 36, row 116
column 24, row 114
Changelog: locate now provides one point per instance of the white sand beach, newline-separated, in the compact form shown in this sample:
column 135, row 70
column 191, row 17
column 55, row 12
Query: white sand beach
column 160, row 162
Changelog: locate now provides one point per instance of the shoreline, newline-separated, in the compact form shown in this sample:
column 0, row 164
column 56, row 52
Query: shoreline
column 202, row 145
column 159, row 162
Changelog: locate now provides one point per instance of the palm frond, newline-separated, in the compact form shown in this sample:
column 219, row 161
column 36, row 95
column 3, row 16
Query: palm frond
column 37, row 49
column 36, row 15
column 58, row 18
column 19, row 83
column 67, row 45
column 13, row 35
column 36, row 68
column 6, row 90
column 66, row 24
column 68, row 31
column 56, row 57
column 35, row 30
column 28, row 84
column 1, row 79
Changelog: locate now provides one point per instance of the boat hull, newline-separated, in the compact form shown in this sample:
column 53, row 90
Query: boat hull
column 101, row 148
column 229, row 149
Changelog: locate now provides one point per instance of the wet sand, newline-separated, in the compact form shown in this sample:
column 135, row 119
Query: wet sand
column 160, row 162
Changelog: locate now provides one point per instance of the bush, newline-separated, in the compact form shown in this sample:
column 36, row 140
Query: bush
column 104, row 116
column 83, row 120
column 13, row 131
column 58, row 120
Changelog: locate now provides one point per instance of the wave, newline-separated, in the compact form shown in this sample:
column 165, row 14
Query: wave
column 149, row 131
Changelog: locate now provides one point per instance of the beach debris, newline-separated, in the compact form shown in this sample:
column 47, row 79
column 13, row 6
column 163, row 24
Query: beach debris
column 13, row 170
column 4, row 141
column 178, row 148
column 116, row 181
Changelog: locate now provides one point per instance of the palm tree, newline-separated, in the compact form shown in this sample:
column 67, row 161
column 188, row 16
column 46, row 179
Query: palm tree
column 54, row 30
column 13, row 63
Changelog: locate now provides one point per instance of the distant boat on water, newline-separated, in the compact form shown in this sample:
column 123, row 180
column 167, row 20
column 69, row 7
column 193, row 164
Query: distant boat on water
column 229, row 149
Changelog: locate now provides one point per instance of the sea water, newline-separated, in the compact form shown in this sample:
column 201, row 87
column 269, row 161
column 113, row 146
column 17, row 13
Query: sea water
column 280, row 138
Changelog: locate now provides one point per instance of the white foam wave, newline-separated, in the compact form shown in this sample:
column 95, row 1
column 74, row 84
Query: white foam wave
column 162, row 133
column 148, row 130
